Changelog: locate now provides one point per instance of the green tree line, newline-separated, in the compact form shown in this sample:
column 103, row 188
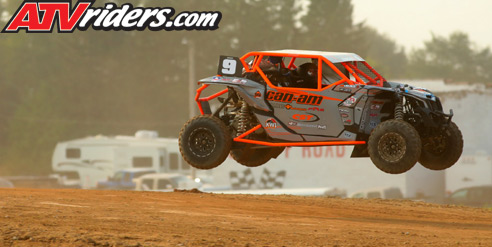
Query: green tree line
column 57, row 87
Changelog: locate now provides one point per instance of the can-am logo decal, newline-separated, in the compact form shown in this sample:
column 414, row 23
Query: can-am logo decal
column 41, row 16
column 305, row 99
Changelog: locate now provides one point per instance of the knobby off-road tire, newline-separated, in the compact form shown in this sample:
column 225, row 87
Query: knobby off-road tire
column 204, row 142
column 443, row 150
column 255, row 157
column 394, row 146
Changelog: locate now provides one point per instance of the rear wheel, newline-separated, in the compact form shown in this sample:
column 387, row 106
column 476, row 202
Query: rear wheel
column 394, row 146
column 253, row 157
column 443, row 150
column 204, row 142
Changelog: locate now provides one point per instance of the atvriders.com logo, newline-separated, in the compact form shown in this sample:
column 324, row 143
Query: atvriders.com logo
column 41, row 16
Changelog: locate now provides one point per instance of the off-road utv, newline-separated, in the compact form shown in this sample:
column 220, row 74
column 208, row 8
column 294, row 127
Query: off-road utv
column 287, row 98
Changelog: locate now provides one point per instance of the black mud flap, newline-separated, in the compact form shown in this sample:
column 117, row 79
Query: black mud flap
column 360, row 151
column 205, row 107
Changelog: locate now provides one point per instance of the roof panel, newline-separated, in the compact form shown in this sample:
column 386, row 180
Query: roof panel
column 334, row 57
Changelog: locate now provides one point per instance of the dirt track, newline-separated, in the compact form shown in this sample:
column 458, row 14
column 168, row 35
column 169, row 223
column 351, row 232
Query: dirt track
column 30, row 217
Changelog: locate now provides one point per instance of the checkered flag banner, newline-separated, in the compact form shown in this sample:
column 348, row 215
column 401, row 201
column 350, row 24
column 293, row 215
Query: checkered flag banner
column 244, row 180
column 271, row 180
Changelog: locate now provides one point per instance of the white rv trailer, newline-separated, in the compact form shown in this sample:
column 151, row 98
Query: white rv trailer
column 84, row 162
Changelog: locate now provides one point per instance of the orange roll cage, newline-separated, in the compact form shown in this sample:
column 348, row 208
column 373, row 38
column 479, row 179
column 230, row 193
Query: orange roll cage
column 258, row 56
column 213, row 96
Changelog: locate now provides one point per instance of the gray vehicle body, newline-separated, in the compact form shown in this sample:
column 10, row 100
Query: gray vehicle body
column 344, row 112
column 288, row 98
column 352, row 110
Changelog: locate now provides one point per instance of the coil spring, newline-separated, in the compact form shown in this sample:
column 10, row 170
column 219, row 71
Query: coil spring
column 243, row 119
column 399, row 110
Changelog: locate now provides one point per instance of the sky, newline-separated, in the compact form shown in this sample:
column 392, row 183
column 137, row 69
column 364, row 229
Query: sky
column 411, row 22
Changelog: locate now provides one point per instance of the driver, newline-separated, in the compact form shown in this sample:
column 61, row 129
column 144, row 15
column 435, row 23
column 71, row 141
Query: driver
column 309, row 74
column 270, row 63
column 272, row 67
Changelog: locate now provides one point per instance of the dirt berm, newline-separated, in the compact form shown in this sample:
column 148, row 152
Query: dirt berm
column 42, row 217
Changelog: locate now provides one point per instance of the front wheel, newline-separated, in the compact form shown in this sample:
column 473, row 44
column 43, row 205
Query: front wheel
column 442, row 150
column 204, row 142
column 394, row 146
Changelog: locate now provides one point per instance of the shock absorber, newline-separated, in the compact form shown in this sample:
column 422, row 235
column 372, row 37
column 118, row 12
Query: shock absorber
column 243, row 119
column 399, row 109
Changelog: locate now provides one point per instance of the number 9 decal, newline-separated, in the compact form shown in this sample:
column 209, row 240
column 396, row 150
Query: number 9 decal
column 230, row 66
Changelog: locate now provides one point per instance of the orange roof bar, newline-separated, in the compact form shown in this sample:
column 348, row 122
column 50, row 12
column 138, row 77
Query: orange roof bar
column 291, row 63
column 245, row 65
column 291, row 144
column 261, row 54
column 334, row 68
column 362, row 73
column 380, row 77
column 337, row 83
column 351, row 68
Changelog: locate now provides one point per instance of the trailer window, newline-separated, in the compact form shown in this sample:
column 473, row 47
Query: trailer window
column 72, row 153
column 142, row 161
column 69, row 175
column 173, row 161
column 139, row 174
column 148, row 184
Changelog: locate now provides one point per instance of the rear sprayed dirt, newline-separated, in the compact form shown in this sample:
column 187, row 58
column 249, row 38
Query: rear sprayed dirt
column 37, row 217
